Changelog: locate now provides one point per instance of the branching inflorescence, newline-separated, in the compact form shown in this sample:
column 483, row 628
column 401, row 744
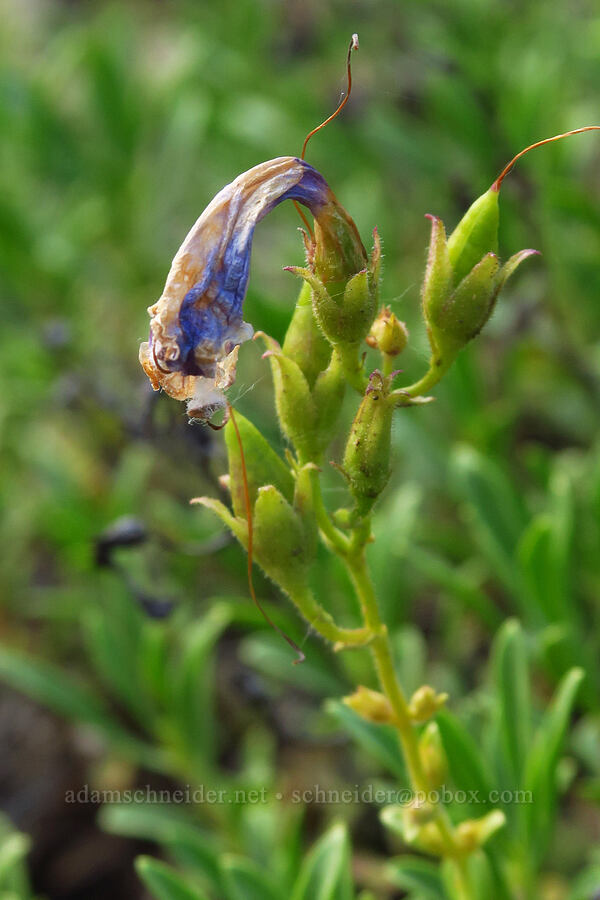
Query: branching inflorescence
column 278, row 513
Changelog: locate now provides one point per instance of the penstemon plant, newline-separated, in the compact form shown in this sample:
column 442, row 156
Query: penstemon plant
column 278, row 513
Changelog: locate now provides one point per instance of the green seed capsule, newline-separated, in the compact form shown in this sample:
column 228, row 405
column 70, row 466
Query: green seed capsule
column 468, row 308
column 338, row 251
column 295, row 407
column 475, row 235
column 437, row 283
column 263, row 465
column 304, row 341
column 367, row 457
column 461, row 283
column 280, row 546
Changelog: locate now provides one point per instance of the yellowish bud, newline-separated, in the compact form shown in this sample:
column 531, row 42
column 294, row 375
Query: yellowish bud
column 388, row 334
column 371, row 705
column 433, row 756
column 424, row 703
column 473, row 833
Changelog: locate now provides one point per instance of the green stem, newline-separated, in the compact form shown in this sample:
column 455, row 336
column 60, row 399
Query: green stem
column 352, row 366
column 388, row 363
column 323, row 623
column 437, row 369
column 382, row 657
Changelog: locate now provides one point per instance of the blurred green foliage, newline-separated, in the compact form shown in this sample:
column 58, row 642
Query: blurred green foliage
column 118, row 123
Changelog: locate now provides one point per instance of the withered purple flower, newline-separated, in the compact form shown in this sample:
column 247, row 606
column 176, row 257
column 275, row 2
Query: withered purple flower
column 197, row 326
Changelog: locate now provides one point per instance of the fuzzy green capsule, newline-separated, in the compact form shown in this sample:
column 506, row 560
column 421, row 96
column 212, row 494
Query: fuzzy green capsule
column 367, row 456
column 338, row 252
column 328, row 396
column 344, row 310
column 263, row 465
column 295, row 406
column 463, row 278
column 475, row 235
column 280, row 544
column 469, row 306
column 304, row 341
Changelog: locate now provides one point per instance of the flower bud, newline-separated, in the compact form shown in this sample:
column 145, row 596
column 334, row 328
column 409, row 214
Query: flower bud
column 424, row 703
column 371, row 705
column 366, row 461
column 433, row 756
column 263, row 465
column 388, row 334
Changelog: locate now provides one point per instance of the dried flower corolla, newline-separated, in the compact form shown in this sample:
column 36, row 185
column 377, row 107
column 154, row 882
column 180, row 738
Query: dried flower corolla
column 197, row 326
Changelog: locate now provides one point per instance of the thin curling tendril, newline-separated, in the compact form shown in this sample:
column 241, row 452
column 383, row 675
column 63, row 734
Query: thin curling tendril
column 557, row 137
column 264, row 614
column 354, row 45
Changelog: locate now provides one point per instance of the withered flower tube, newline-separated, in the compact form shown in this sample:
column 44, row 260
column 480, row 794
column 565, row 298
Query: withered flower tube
column 196, row 326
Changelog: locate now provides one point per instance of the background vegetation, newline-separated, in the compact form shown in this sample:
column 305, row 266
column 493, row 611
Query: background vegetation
column 118, row 123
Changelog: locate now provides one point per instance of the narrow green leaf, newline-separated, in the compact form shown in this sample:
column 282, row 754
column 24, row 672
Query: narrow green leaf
column 164, row 882
column 496, row 511
column 511, row 686
column 48, row 685
column 112, row 634
column 535, row 559
column 540, row 768
column 326, row 873
column 468, row 767
column 192, row 684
